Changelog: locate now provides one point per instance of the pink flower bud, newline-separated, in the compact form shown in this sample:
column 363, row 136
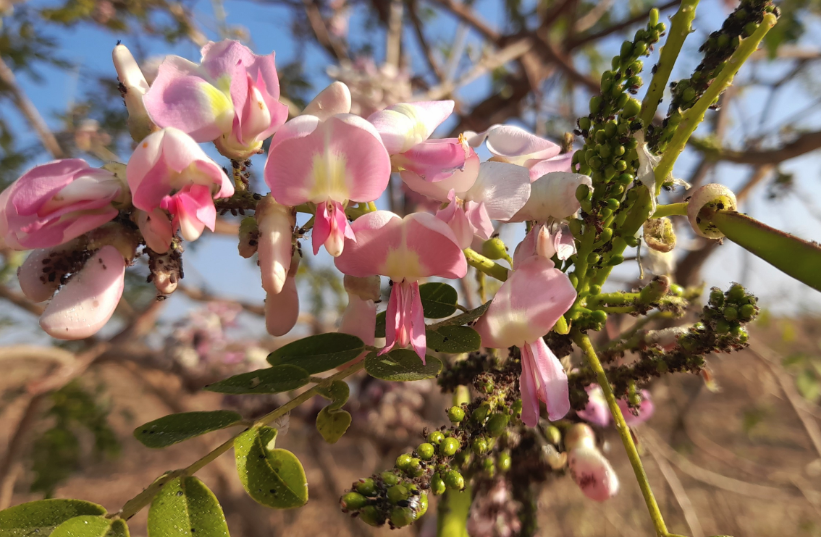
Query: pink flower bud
column 335, row 99
column 54, row 203
column 276, row 226
column 590, row 469
column 282, row 309
column 134, row 87
column 81, row 308
column 155, row 227
column 596, row 411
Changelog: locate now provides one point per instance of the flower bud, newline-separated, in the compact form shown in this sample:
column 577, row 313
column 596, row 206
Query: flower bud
column 494, row 249
column 366, row 487
column 456, row 414
column 156, row 229
column 276, row 225
column 335, row 99
column 592, row 472
column 454, row 480
column 425, row 451
column 704, row 203
column 353, row 501
column 402, row 516
column 134, row 86
column 449, row 447
column 437, row 485
column 282, row 309
column 166, row 269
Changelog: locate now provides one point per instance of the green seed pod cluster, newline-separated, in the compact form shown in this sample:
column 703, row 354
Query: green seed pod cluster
column 389, row 497
column 722, row 323
column 718, row 48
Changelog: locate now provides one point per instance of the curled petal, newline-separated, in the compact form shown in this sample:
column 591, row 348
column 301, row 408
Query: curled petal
column 527, row 305
column 434, row 160
column 553, row 196
column 460, row 181
column 502, row 188
column 559, row 163
column 331, row 228
column 156, row 229
column 405, row 320
column 404, row 125
column 517, row 146
column 359, row 319
column 276, row 225
column 454, row 216
column 550, row 378
column 333, row 100
column 530, row 396
column 592, row 473
column 88, row 300
column 479, row 219
column 193, row 210
column 556, row 243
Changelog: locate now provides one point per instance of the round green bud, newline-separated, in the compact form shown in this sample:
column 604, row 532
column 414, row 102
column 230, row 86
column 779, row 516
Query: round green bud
column 688, row 95
column 435, row 437
column 584, row 123
column 750, row 28
column 716, row 297
column 454, row 480
column 622, row 100
column 353, row 501
column 422, row 506
column 661, row 27
column 371, row 516
column 736, row 292
column 626, row 49
column 595, row 104
column 402, row 516
column 494, row 248
column 633, row 81
column 449, row 447
column 631, row 240
column 403, row 461
column 456, row 414
column 619, row 150
column 415, row 468
column 746, row 312
column 553, row 435
column 497, row 424
column 582, row 192
column 595, row 289
column 397, row 493
column 389, row 478
column 603, row 150
column 676, row 289
column 606, row 212
column 480, row 413
column 626, row 178
column 437, row 484
column 610, row 129
column 599, row 316
column 366, row 487
column 722, row 327
column 584, row 169
column 730, row 313
column 620, row 166
column 632, row 108
column 613, row 204
column 479, row 445
column 639, row 49
column 595, row 163
column 425, row 451
column 615, row 62
column 503, row 461
column 593, row 258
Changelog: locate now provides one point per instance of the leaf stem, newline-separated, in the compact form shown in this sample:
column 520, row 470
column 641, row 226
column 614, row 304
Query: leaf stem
column 485, row 265
column 144, row 498
column 673, row 209
column 624, row 432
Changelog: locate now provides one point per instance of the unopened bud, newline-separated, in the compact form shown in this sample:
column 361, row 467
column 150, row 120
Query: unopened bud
column 134, row 87
column 655, row 290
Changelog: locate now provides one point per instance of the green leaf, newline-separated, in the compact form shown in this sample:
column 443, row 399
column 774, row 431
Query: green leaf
column 41, row 517
column 464, row 318
column 176, row 428
column 277, row 379
column 316, row 354
column 332, row 422
column 438, row 299
column 91, row 526
column 454, row 339
column 380, row 324
column 402, row 365
column 272, row 477
column 185, row 508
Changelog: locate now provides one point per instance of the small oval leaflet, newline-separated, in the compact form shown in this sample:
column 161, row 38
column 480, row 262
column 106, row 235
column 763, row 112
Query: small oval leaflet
column 454, row 339
column 42, row 516
column 176, row 428
column 438, row 299
column 316, row 354
column 272, row 477
column 332, row 422
column 277, row 379
column 91, row 526
column 402, row 365
column 186, row 508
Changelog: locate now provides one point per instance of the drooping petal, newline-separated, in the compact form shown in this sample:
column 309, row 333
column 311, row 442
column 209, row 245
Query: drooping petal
column 404, row 319
column 553, row 196
column 339, row 159
column 276, row 225
column 156, row 229
column 527, row 305
column 333, row 100
column 551, row 378
column 592, row 473
column 502, row 188
column 418, row 246
column 454, row 216
column 404, row 125
column 596, row 411
column 434, row 160
column 479, row 219
column 460, row 181
column 182, row 96
column 530, row 398
column 517, row 146
column 88, row 300
column 135, row 86
column 359, row 319
column 559, row 163
column 417, row 319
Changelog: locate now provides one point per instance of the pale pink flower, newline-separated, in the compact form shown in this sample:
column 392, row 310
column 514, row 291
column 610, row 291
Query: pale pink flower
column 231, row 97
column 598, row 413
column 81, row 308
column 589, row 468
column 543, row 242
column 517, row 146
column 553, row 196
column 328, row 162
column 405, row 125
column 168, row 170
column 59, row 201
column 405, row 250
column 524, row 309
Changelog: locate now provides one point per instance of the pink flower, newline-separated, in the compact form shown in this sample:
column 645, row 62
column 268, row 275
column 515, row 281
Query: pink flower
column 517, row 146
column 403, row 126
column 231, row 97
column 542, row 242
column 524, row 309
column 589, row 468
column 56, row 202
column 405, row 250
column 642, row 413
column 327, row 162
column 597, row 412
column 81, row 308
column 168, row 170
column 134, row 87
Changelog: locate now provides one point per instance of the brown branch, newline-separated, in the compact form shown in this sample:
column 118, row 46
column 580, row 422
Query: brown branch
column 467, row 15
column 564, row 62
column 416, row 22
column 617, row 27
column 201, row 295
column 320, row 29
column 805, row 143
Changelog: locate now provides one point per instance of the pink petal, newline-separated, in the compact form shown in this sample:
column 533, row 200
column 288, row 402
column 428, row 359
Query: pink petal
column 341, row 159
column 530, row 400
column 333, row 100
column 593, row 473
column 454, row 216
column 276, row 225
column 559, row 163
column 550, row 376
column 182, row 97
column 596, row 411
column 434, row 160
column 405, row 321
column 460, row 181
column 417, row 318
column 517, row 146
column 33, row 281
column 645, row 410
column 527, row 248
column 479, row 219
column 156, row 229
column 323, row 222
column 394, row 319
column 502, row 188
column 404, row 125
column 88, row 300
column 552, row 196
column 41, row 183
column 527, row 305
column 282, row 309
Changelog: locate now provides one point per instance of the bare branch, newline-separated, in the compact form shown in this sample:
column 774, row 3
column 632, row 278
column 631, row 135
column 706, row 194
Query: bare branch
column 805, row 143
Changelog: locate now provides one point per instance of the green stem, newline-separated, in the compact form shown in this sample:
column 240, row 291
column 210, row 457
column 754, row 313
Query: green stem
column 144, row 498
column 694, row 116
column 453, row 511
column 624, row 432
column 674, row 209
column 485, row 265
column 680, row 28
column 793, row 256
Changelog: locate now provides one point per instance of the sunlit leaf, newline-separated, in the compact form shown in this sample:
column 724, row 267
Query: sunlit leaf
column 454, row 339
column 186, row 508
column 175, row 428
column 402, row 365
column 272, row 477
column 316, row 354
column 41, row 517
